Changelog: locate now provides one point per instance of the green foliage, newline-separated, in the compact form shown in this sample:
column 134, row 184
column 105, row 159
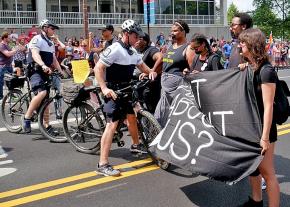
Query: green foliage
column 232, row 10
column 268, row 16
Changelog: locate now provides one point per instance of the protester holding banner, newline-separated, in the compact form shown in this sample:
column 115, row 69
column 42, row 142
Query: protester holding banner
column 240, row 22
column 205, row 59
column 177, row 58
column 253, row 44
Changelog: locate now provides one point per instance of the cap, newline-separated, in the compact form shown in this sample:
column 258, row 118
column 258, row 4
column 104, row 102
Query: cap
column 107, row 27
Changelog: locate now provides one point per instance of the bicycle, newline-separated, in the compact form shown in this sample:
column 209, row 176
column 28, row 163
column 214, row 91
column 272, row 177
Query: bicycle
column 83, row 125
column 15, row 104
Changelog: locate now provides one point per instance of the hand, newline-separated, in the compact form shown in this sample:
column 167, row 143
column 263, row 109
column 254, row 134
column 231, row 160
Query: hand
column 90, row 34
column 109, row 93
column 265, row 144
column 46, row 69
column 243, row 66
column 142, row 76
column 152, row 75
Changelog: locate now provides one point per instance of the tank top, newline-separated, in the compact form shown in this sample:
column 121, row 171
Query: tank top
column 174, row 62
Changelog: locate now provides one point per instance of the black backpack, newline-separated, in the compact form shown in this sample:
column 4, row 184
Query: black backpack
column 281, row 103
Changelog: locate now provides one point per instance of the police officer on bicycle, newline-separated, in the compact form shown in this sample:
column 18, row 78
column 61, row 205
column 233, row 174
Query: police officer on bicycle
column 42, row 61
column 116, row 67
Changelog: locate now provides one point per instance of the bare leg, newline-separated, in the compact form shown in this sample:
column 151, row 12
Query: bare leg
column 35, row 103
column 132, row 127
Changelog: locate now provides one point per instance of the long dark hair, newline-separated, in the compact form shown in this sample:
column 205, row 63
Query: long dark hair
column 200, row 38
column 255, row 41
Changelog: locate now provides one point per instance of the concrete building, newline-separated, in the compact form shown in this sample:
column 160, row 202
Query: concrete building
column 206, row 16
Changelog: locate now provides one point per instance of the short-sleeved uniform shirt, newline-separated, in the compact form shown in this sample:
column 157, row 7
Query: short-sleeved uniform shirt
column 46, row 51
column 119, row 72
column 262, row 76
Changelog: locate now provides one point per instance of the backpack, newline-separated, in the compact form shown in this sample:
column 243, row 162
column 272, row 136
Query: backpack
column 281, row 104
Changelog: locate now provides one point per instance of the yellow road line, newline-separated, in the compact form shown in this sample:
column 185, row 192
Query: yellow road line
column 75, row 187
column 67, row 179
column 283, row 132
column 283, row 126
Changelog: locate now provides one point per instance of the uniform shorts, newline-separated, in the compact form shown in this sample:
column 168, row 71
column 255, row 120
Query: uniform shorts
column 38, row 83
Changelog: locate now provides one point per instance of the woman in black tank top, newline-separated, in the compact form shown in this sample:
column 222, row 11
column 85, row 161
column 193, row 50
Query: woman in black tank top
column 177, row 58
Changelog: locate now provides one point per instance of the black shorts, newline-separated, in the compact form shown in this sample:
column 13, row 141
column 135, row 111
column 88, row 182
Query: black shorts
column 38, row 83
column 117, row 110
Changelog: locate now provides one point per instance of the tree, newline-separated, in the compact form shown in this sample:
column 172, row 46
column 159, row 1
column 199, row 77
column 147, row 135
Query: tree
column 232, row 10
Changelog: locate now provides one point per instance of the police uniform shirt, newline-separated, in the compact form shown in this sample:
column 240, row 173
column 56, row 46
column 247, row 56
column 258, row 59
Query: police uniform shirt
column 120, row 64
column 45, row 46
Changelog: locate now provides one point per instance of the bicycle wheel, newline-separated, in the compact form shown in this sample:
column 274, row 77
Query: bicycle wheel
column 50, row 119
column 83, row 127
column 149, row 128
column 12, row 108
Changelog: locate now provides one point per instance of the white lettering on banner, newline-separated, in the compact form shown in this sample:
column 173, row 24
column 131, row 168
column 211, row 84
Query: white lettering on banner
column 168, row 142
column 205, row 145
column 197, row 88
column 223, row 113
column 180, row 136
column 184, row 107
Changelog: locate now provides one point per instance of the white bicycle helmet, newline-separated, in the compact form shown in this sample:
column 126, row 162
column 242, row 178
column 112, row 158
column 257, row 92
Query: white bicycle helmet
column 46, row 23
column 131, row 26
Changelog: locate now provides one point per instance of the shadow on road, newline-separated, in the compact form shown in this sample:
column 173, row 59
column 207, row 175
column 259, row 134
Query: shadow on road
column 210, row 193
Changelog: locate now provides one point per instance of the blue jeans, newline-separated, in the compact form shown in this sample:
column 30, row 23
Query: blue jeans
column 3, row 70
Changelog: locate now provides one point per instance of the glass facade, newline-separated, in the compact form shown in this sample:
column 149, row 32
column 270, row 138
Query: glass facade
column 189, row 7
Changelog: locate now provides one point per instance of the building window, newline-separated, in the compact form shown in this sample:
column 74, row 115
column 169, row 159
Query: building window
column 19, row 7
column 75, row 9
column 29, row 7
column 123, row 10
column 54, row 8
column 64, row 8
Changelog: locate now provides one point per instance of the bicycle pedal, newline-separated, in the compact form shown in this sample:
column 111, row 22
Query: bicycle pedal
column 120, row 143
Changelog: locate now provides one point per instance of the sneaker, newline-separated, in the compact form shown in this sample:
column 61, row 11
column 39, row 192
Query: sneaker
column 252, row 203
column 263, row 186
column 52, row 131
column 107, row 170
column 26, row 125
column 138, row 148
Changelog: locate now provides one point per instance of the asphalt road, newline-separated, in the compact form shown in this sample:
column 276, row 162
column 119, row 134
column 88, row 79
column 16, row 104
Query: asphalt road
column 37, row 173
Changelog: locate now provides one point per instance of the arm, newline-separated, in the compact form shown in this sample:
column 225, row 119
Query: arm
column 9, row 53
column 268, row 94
column 145, row 69
column 158, row 58
column 100, row 74
column 189, row 55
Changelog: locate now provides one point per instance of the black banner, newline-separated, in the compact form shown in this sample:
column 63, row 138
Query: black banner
column 213, row 126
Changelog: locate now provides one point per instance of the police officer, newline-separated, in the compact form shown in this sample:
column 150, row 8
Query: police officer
column 117, row 64
column 42, row 61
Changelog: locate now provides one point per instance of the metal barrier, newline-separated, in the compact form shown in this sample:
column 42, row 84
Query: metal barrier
column 76, row 18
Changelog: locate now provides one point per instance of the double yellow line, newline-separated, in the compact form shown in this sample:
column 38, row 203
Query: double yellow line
column 283, row 129
column 141, row 165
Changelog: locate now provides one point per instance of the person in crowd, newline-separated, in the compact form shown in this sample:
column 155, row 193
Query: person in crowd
column 160, row 40
column 42, row 60
column 153, row 59
column 116, row 66
column 32, row 32
column 19, row 57
column 14, row 35
column 69, row 47
column 178, row 57
column 23, row 36
column 77, row 50
column 205, row 59
column 66, row 64
column 253, row 43
column 107, row 34
column 227, row 48
column 215, row 49
column 6, row 58
column 240, row 22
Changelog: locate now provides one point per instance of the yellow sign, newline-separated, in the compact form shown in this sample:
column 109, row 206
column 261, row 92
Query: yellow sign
column 81, row 70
